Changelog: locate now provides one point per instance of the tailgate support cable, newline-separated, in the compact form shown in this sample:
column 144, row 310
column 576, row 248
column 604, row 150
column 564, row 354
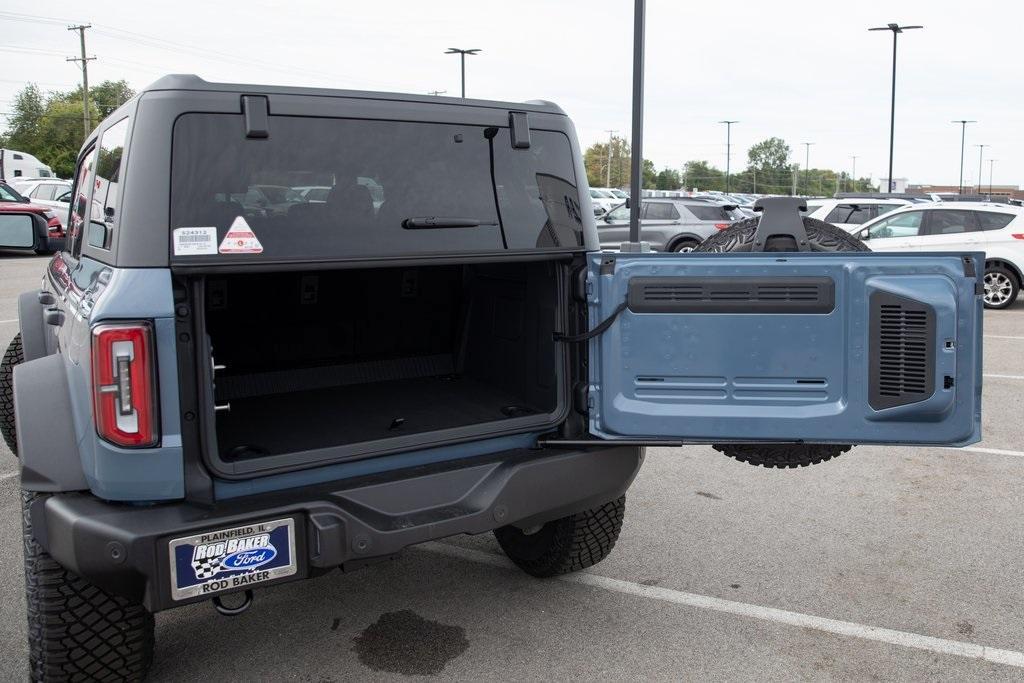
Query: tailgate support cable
column 605, row 324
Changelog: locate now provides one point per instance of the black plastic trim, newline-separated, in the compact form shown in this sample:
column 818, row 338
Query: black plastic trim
column 337, row 524
column 901, row 351
column 694, row 294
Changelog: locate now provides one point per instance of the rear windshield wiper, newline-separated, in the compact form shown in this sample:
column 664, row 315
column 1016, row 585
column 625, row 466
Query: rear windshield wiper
column 429, row 222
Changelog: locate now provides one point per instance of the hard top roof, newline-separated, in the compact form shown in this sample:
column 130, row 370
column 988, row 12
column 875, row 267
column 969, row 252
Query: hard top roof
column 193, row 82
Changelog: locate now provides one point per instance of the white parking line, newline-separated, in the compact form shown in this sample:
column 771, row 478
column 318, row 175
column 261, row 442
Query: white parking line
column 4, row 322
column 9, row 475
column 1004, row 376
column 1003, row 336
column 992, row 451
column 842, row 628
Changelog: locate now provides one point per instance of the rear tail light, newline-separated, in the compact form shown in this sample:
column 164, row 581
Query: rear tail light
column 721, row 226
column 124, row 384
column 1018, row 235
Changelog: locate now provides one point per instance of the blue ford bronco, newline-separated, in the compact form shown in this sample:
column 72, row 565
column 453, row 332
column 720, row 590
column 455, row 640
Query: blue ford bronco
column 294, row 330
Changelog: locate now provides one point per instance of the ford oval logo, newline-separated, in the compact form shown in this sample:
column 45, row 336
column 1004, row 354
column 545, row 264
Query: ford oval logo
column 249, row 559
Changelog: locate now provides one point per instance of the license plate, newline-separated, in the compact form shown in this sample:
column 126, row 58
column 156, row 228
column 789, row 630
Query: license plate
column 232, row 559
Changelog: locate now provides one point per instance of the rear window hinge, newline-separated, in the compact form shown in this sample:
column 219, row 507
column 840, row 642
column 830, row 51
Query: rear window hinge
column 256, row 110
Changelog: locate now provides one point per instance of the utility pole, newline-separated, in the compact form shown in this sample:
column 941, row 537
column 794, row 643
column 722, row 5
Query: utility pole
column 981, row 158
column 896, row 30
column 728, row 150
column 462, row 57
column 853, row 175
column 608, row 166
column 807, row 164
column 754, row 171
column 86, row 119
column 963, row 137
column 437, row 92
column 991, row 162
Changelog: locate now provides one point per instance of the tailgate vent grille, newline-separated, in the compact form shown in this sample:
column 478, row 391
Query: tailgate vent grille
column 731, row 295
column 902, row 351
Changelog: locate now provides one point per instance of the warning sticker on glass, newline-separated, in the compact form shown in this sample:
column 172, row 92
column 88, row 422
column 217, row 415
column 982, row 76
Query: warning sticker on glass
column 195, row 241
column 240, row 239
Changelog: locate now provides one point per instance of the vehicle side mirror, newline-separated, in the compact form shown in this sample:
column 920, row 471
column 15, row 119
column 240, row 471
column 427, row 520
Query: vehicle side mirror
column 865, row 234
column 65, row 198
column 17, row 230
column 627, row 202
column 25, row 200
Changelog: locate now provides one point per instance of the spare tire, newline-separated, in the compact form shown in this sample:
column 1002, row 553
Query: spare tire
column 821, row 236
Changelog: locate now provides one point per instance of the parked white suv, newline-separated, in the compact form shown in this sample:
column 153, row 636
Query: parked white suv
column 603, row 200
column 52, row 192
column 996, row 229
column 850, row 213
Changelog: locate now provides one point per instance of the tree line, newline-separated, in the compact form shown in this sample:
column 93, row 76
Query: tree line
column 768, row 171
column 49, row 125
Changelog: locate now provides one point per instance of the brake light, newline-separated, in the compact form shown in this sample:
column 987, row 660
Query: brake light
column 1018, row 235
column 124, row 384
column 721, row 226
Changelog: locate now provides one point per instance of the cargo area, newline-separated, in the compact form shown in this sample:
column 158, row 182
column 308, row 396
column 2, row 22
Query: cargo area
column 338, row 364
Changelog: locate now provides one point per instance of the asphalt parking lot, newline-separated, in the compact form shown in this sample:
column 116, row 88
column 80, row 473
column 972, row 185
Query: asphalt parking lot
column 887, row 563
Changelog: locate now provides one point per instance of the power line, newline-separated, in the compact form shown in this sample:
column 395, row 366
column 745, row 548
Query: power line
column 163, row 44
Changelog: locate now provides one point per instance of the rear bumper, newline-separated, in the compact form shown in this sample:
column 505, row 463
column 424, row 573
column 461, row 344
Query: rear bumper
column 124, row 549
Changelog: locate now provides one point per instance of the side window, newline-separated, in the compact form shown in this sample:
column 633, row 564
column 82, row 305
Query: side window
column 990, row 220
column 950, row 222
column 106, row 184
column 661, row 211
column 80, row 208
column 849, row 213
column 882, row 209
column 618, row 215
column 904, row 225
column 44, row 191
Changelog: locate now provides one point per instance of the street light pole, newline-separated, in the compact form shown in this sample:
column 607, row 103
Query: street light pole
column 636, row 162
column 981, row 160
column 462, row 58
column 608, row 167
column 896, row 30
column 991, row 163
column 853, row 175
column 807, row 164
column 728, row 150
column 963, row 137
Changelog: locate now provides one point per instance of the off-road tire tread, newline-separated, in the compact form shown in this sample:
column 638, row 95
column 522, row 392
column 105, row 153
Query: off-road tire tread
column 13, row 356
column 781, row 456
column 76, row 630
column 568, row 544
column 821, row 236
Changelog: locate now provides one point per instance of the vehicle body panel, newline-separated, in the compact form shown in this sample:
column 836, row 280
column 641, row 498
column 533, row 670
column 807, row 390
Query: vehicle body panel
column 718, row 365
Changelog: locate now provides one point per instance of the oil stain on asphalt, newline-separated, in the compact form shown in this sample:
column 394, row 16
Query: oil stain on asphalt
column 404, row 642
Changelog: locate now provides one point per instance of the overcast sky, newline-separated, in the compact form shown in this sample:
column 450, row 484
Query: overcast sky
column 798, row 70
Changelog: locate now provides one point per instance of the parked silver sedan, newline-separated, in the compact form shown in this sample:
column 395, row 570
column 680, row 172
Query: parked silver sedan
column 669, row 224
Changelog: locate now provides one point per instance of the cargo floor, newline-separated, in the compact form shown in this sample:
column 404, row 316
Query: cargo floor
column 307, row 420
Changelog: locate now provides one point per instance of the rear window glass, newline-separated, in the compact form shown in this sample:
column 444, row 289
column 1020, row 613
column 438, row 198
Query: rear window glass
column 989, row 220
column 850, row 214
column 378, row 180
column 709, row 212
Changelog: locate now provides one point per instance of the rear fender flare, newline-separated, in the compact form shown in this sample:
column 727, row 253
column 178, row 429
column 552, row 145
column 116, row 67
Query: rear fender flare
column 47, row 450
column 33, row 328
